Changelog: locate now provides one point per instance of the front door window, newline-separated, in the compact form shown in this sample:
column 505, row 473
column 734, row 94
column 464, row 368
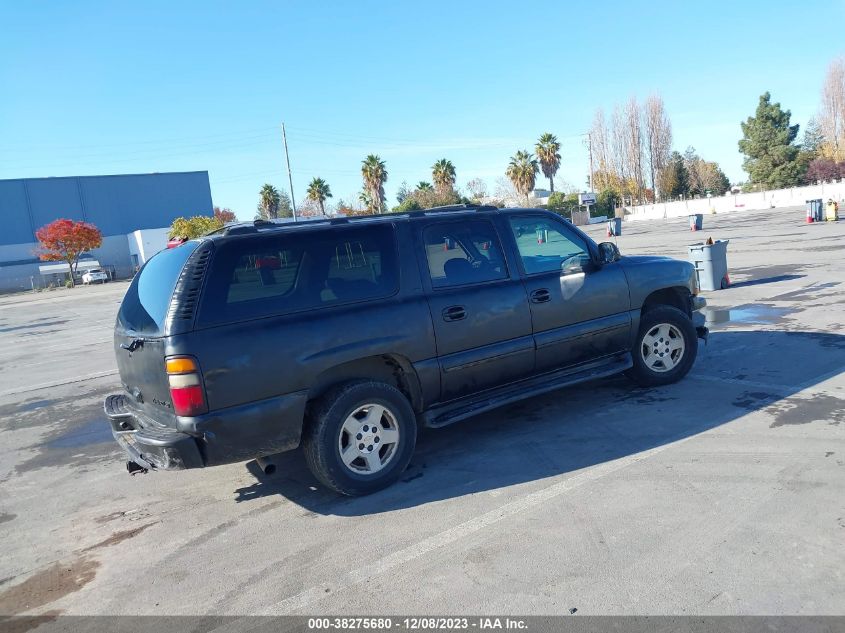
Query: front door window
column 545, row 246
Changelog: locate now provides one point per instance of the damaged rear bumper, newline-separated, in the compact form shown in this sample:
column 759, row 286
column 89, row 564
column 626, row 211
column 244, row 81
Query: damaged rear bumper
column 151, row 446
column 219, row 437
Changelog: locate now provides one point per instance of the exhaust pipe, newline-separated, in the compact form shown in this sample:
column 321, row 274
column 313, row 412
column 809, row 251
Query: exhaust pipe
column 266, row 464
column 134, row 468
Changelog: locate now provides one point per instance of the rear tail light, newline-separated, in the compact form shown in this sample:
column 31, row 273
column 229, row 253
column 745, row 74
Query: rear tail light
column 186, row 390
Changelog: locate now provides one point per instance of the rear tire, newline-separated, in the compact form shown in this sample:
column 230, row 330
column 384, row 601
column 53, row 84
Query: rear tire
column 665, row 347
column 360, row 438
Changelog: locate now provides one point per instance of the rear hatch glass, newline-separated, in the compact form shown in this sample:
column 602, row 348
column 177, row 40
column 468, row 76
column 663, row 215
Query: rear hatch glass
column 142, row 317
column 145, row 305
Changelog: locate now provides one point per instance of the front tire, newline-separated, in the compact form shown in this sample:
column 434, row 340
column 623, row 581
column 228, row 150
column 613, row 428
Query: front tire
column 665, row 347
column 360, row 438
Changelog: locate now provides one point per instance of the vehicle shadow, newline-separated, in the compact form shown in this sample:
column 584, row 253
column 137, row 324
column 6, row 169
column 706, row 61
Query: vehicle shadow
column 765, row 280
column 738, row 372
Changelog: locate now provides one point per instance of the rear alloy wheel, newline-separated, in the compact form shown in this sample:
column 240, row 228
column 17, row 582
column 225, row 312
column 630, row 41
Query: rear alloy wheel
column 665, row 348
column 360, row 437
column 368, row 439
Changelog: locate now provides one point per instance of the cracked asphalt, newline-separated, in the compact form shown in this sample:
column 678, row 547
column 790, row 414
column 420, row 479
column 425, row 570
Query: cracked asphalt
column 722, row 494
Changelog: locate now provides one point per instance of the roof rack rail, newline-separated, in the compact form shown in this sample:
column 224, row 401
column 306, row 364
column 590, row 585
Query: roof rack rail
column 451, row 208
column 239, row 229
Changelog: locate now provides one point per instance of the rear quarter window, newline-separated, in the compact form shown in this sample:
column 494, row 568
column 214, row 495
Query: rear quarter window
column 269, row 275
column 144, row 307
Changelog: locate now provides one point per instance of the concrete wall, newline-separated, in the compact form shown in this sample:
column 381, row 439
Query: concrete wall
column 738, row 202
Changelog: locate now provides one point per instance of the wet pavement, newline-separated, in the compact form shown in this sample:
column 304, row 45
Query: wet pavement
column 723, row 494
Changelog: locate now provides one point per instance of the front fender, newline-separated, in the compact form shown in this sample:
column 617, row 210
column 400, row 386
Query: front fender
column 648, row 274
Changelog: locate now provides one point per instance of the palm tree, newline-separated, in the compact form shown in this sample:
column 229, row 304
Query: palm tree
column 522, row 171
column 366, row 199
column 422, row 185
column 548, row 152
column 318, row 191
column 443, row 175
column 269, row 200
column 374, row 172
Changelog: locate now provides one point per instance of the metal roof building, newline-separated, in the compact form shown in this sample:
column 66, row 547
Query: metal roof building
column 117, row 205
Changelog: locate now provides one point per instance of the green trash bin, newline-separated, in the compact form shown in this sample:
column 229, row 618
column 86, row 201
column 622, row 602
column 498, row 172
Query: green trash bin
column 711, row 264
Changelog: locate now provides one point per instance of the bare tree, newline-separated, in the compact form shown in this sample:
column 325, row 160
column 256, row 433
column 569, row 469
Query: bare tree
column 600, row 140
column 631, row 153
column 619, row 148
column 658, row 139
column 477, row 189
column 832, row 115
column 634, row 145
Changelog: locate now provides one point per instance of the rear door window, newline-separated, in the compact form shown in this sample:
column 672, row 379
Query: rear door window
column 460, row 253
column 145, row 305
column 277, row 274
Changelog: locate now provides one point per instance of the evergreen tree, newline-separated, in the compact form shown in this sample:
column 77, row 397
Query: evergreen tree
column 769, row 147
column 673, row 179
column 813, row 139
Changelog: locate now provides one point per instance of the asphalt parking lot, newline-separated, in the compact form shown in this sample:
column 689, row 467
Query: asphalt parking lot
column 723, row 494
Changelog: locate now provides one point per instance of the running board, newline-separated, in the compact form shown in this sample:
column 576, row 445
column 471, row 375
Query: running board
column 461, row 409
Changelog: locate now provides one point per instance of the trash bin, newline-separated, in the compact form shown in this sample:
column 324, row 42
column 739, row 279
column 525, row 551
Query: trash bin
column 815, row 211
column 711, row 264
column 831, row 211
column 614, row 227
column 696, row 222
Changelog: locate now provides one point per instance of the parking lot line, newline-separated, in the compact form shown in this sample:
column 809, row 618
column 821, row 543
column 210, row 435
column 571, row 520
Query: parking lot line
column 528, row 502
column 57, row 383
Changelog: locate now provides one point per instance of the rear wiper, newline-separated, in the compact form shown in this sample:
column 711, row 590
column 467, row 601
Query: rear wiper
column 135, row 344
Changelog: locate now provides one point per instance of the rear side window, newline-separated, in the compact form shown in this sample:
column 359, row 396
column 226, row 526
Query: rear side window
column 461, row 253
column 145, row 305
column 277, row 274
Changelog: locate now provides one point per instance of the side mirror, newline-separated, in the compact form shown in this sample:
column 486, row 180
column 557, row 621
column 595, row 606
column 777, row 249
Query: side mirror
column 608, row 253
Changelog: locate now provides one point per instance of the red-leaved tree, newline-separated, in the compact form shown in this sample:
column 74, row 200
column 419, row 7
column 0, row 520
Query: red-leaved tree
column 65, row 240
column 824, row 169
column 225, row 215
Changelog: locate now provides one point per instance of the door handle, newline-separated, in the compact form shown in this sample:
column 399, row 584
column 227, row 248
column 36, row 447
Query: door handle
column 540, row 296
column 454, row 313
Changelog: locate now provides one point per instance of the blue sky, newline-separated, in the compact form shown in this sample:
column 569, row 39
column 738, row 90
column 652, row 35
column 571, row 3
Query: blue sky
column 119, row 87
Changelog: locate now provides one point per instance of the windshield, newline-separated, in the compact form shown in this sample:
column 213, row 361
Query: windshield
column 144, row 307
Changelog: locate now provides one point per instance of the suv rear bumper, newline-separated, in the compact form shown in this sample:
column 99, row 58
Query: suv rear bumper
column 150, row 446
column 223, row 436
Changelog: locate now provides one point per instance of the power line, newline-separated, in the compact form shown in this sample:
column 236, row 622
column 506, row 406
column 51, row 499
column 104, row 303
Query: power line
column 27, row 146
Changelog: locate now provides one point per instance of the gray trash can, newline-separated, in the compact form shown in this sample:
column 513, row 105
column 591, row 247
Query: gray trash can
column 614, row 227
column 819, row 214
column 815, row 210
column 696, row 222
column 711, row 264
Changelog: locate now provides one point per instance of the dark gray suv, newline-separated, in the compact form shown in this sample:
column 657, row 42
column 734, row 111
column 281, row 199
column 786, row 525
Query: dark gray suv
column 345, row 335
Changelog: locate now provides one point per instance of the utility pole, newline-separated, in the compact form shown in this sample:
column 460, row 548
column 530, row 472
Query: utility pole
column 290, row 179
column 590, row 149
